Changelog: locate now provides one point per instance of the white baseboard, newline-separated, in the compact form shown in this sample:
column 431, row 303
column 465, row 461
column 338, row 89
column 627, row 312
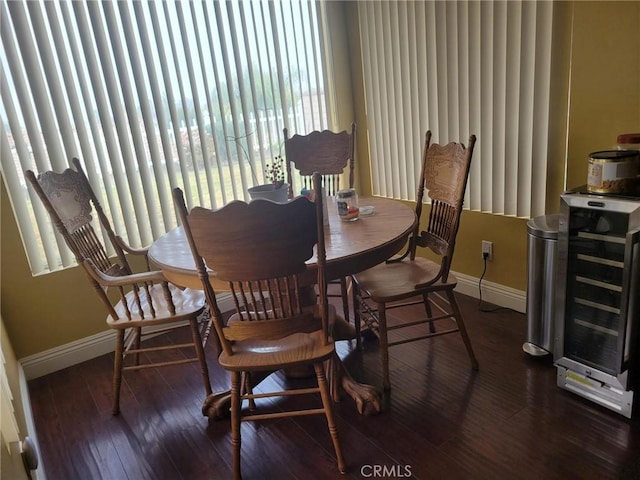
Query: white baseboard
column 102, row 343
column 492, row 293
column 68, row 354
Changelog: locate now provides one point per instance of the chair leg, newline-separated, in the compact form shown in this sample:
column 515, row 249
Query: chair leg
column 197, row 343
column 137, row 344
column 355, row 296
column 333, row 378
column 429, row 312
column 463, row 329
column 117, row 371
column 247, row 388
column 344, row 293
column 236, row 381
column 328, row 410
column 384, row 345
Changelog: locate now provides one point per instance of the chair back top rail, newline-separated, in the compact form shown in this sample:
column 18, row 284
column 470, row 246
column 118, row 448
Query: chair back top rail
column 325, row 152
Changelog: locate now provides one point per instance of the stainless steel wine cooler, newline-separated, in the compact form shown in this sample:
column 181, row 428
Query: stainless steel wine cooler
column 596, row 348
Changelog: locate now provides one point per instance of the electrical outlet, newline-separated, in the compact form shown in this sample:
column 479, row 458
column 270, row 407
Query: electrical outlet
column 487, row 249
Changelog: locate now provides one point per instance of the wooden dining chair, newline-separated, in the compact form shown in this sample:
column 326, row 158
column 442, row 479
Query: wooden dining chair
column 328, row 153
column 412, row 279
column 259, row 250
column 145, row 302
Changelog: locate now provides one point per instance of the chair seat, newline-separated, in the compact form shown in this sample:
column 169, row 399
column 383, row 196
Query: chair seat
column 338, row 330
column 187, row 302
column 293, row 350
column 388, row 282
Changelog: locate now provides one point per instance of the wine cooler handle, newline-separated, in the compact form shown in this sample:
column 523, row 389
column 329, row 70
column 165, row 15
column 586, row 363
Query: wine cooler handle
column 631, row 282
column 632, row 256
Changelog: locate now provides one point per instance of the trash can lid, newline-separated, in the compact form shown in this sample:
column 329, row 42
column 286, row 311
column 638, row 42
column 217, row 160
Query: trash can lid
column 545, row 226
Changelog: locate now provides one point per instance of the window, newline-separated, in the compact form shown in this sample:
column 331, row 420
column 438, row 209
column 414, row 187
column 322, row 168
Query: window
column 461, row 68
column 152, row 95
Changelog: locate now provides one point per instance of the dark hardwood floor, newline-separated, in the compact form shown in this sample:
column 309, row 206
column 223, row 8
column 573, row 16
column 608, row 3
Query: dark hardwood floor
column 441, row 421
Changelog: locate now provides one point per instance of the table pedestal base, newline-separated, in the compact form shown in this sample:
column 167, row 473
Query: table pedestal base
column 366, row 396
column 217, row 406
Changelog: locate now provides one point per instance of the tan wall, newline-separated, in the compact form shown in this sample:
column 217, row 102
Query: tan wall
column 47, row 311
column 605, row 82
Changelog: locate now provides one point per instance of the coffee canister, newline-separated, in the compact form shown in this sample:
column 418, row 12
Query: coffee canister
column 614, row 171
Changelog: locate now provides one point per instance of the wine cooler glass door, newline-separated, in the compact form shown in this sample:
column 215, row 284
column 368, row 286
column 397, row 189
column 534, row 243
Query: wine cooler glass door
column 600, row 268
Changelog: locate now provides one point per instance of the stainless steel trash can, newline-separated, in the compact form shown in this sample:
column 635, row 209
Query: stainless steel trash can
column 542, row 252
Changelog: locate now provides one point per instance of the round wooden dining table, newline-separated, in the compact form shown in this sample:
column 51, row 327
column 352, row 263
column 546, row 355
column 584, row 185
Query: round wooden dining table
column 351, row 247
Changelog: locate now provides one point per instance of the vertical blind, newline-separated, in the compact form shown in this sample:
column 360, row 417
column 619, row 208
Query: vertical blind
column 460, row 68
column 151, row 95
